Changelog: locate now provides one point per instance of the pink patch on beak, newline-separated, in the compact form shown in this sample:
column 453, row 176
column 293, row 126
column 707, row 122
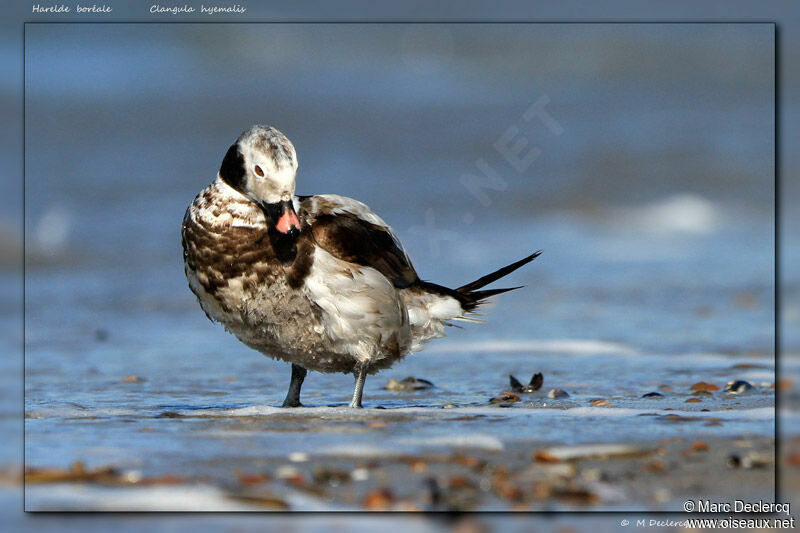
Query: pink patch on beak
column 288, row 221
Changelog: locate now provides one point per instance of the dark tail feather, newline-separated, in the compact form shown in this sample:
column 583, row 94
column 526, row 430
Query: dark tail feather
column 482, row 295
column 497, row 274
column 469, row 297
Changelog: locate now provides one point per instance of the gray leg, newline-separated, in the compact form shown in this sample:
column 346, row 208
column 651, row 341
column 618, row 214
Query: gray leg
column 293, row 396
column 361, row 377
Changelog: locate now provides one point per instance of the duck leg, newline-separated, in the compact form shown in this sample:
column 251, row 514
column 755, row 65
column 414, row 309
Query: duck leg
column 293, row 396
column 361, row 377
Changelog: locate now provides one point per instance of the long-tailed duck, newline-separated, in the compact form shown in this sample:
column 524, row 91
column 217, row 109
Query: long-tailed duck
column 319, row 281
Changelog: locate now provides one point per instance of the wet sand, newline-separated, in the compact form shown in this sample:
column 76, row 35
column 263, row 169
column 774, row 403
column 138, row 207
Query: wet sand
column 652, row 476
column 501, row 456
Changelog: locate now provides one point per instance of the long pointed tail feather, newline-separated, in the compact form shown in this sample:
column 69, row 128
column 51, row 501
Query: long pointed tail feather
column 468, row 295
column 472, row 298
column 497, row 274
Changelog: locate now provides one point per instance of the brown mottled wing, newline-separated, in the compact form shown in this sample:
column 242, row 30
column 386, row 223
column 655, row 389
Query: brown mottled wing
column 349, row 237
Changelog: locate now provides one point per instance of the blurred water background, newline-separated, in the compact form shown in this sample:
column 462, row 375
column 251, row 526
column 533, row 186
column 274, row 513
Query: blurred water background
column 653, row 202
column 650, row 191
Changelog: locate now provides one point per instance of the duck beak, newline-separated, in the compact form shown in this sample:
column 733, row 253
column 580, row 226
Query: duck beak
column 284, row 217
column 288, row 221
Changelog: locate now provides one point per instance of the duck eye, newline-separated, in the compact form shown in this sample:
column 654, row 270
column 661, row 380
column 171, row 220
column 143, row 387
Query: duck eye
column 258, row 171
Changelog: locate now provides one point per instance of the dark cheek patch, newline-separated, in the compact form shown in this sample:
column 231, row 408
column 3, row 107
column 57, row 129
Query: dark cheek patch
column 232, row 169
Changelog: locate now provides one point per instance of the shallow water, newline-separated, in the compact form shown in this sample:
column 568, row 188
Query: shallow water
column 222, row 415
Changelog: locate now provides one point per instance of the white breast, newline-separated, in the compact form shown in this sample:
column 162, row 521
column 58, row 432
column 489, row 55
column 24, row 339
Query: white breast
column 363, row 313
